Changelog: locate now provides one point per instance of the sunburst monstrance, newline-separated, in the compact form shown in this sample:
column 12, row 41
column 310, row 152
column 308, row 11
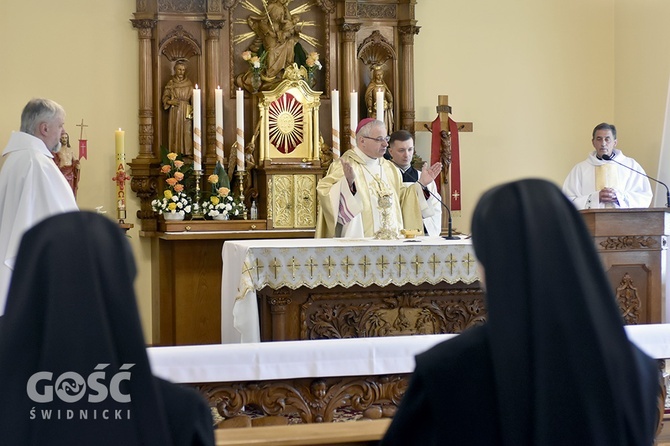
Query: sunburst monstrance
column 289, row 117
column 285, row 117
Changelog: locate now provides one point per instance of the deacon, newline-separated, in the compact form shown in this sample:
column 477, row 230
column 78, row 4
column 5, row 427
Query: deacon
column 401, row 152
column 31, row 185
column 601, row 181
column 349, row 195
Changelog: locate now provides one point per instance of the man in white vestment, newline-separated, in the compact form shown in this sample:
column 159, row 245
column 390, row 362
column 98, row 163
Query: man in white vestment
column 349, row 194
column 31, row 185
column 401, row 150
column 601, row 181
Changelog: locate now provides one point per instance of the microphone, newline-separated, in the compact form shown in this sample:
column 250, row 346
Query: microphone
column 667, row 191
column 449, row 235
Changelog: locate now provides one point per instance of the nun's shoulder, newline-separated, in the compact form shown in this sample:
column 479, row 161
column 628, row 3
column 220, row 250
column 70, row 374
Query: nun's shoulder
column 470, row 345
column 188, row 414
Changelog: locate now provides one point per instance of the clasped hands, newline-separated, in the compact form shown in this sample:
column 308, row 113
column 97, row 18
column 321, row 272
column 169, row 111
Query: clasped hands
column 608, row 195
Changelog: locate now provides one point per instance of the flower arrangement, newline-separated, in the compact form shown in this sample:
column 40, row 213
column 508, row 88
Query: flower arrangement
column 311, row 65
column 221, row 205
column 175, row 200
column 312, row 62
column 255, row 62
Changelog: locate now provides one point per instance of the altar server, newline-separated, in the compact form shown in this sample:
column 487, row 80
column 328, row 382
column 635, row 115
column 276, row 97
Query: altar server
column 552, row 365
column 352, row 194
column 73, row 363
column 31, row 185
column 401, row 152
column 601, row 181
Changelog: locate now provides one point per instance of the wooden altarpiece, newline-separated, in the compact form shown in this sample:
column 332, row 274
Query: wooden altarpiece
column 207, row 39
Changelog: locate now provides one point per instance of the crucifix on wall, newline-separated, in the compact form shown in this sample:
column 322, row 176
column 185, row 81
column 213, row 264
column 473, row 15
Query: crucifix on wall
column 445, row 149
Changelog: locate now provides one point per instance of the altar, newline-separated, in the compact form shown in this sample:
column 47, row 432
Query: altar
column 340, row 288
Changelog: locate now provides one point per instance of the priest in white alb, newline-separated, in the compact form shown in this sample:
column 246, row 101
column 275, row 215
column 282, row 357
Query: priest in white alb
column 607, row 178
column 31, row 185
column 349, row 195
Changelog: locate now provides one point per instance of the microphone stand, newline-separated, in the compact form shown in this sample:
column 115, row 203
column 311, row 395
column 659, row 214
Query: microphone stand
column 667, row 191
column 449, row 235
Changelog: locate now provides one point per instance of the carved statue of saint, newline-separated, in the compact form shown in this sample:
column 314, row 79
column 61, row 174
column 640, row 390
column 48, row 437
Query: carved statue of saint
column 377, row 84
column 177, row 100
column 278, row 31
column 68, row 163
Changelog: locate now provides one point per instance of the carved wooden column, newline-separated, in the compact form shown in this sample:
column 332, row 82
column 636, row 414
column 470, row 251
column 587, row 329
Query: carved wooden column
column 212, row 80
column 407, row 112
column 278, row 306
column 144, row 168
column 348, row 75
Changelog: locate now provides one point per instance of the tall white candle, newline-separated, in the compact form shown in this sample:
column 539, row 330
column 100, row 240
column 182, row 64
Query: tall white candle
column 353, row 116
column 239, row 102
column 335, row 106
column 197, row 134
column 218, row 109
column 380, row 105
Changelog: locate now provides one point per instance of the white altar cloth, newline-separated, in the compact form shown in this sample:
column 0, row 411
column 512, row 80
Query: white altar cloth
column 251, row 265
column 328, row 357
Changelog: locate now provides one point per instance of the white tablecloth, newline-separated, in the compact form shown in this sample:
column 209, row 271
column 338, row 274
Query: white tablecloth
column 251, row 265
column 329, row 357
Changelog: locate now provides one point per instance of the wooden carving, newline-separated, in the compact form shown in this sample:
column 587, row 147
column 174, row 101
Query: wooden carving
column 314, row 400
column 416, row 312
column 629, row 300
column 629, row 242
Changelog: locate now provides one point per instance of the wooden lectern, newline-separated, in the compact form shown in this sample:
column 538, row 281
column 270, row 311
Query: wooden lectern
column 632, row 244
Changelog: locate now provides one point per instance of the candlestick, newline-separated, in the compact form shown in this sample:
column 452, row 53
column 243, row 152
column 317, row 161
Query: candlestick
column 121, row 177
column 335, row 105
column 196, row 208
column 353, row 116
column 197, row 138
column 380, row 105
column 239, row 97
column 218, row 108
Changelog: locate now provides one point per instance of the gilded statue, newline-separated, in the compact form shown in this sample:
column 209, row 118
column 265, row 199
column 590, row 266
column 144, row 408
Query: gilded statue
column 177, row 100
column 68, row 163
column 277, row 32
column 377, row 84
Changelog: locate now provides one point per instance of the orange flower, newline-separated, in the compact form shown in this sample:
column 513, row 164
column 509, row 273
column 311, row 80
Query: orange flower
column 171, row 181
column 178, row 187
column 179, row 176
column 166, row 168
column 213, row 179
column 223, row 191
column 178, row 164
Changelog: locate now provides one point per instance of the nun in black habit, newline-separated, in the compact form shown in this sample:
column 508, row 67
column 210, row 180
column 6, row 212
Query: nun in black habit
column 73, row 364
column 552, row 365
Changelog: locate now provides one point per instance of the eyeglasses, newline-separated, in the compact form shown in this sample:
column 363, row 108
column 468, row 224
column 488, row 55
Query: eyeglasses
column 379, row 139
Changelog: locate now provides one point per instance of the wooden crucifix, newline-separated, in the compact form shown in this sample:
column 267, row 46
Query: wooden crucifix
column 450, row 196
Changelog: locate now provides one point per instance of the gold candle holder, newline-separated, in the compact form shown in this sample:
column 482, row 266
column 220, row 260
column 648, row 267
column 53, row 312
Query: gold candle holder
column 240, row 179
column 196, row 208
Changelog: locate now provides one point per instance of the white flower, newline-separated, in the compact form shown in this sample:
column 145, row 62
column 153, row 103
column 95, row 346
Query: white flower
column 318, row 64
